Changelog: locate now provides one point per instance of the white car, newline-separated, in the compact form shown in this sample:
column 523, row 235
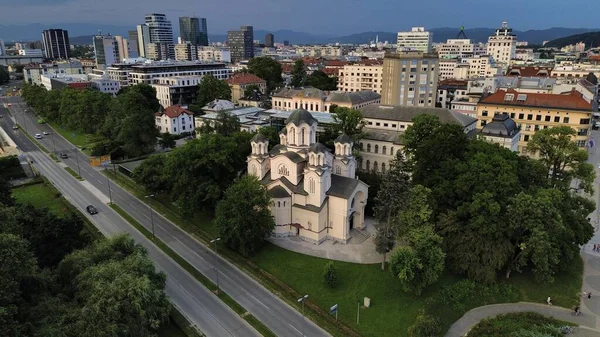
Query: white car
column 46, row 133
column 38, row 136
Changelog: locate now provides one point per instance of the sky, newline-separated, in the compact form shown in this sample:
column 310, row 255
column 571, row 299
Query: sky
column 320, row 17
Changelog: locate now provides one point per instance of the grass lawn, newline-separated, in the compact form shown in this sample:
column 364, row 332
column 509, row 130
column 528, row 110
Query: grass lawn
column 518, row 324
column 41, row 196
column 83, row 141
column 392, row 311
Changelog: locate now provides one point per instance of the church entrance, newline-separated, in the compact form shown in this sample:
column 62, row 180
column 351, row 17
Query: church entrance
column 351, row 221
column 297, row 231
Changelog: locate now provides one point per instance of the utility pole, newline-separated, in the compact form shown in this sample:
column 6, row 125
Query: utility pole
column 216, row 261
column 302, row 300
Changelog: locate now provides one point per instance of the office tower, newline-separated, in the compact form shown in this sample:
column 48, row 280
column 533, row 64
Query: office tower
column 161, row 31
column 502, row 46
column 240, row 43
column 143, row 34
column 56, row 44
column 193, row 30
column 132, row 39
column 106, row 50
column 286, row 43
column 269, row 40
column 410, row 78
column 122, row 47
column 417, row 39
column 2, row 48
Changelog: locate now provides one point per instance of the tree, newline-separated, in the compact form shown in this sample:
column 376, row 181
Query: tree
column 348, row 121
column 421, row 263
column 148, row 92
column 298, row 74
column 425, row 326
column 225, row 124
column 330, row 276
column 211, row 88
column 150, row 174
column 251, row 90
column 4, row 77
column 243, row 216
column 391, row 199
column 320, row 80
column 563, row 159
column 417, row 212
column 268, row 69
column 272, row 135
column 167, row 141
column 5, row 195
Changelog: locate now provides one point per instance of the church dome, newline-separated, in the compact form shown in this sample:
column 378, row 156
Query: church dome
column 318, row 148
column 344, row 139
column 502, row 125
column 300, row 116
column 259, row 138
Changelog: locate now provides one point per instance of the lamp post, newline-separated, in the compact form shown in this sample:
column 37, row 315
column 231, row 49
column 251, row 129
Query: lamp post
column 109, row 192
column 216, row 260
column 151, row 216
column 357, row 311
column 54, row 143
column 77, row 157
column 302, row 300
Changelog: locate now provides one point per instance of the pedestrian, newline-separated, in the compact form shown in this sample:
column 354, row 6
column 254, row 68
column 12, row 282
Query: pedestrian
column 584, row 294
column 590, row 295
column 549, row 301
column 594, row 247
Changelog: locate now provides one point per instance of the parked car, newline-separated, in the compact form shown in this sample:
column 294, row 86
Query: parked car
column 38, row 136
column 46, row 133
column 91, row 209
column 63, row 156
column 15, row 127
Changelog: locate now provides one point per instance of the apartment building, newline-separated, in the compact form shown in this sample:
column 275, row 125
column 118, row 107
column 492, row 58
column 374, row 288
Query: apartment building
column 33, row 72
column 185, row 52
column 533, row 112
column 450, row 90
column 452, row 69
column 315, row 100
column 410, row 78
column 180, row 90
column 213, row 54
column 322, row 51
column 459, row 48
column 150, row 73
column 358, row 77
column 482, row 66
column 239, row 82
column 418, row 39
column 56, row 44
column 502, row 46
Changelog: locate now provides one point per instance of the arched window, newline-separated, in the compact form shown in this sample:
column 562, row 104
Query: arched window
column 312, row 185
column 360, row 146
column 283, row 170
column 338, row 149
column 375, row 167
column 293, row 132
column 376, row 148
column 284, row 204
column 368, row 147
column 382, row 167
column 254, row 148
column 279, row 204
column 302, row 132
column 392, row 150
column 312, row 159
column 384, row 149
column 368, row 167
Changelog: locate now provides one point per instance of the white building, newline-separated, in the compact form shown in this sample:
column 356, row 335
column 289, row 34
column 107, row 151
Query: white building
column 502, row 45
column 459, row 48
column 213, row 54
column 174, row 120
column 316, row 195
column 106, row 50
column 417, row 39
column 170, row 90
column 151, row 72
column 30, row 52
column 106, row 85
column 482, row 66
column 32, row 73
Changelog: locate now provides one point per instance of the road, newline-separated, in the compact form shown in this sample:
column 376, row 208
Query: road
column 199, row 304
column 277, row 315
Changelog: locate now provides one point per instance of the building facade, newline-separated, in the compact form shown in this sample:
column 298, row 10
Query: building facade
column 32, row 73
column 315, row 193
column 533, row 112
column 502, row 131
column 177, row 89
column 240, row 81
column 161, row 32
column 193, row 30
column 56, row 44
column 159, row 51
column 316, row 100
column 358, row 77
column 269, row 40
column 132, row 43
column 106, row 85
column 143, row 39
column 106, row 50
column 150, row 73
column 175, row 120
column 502, row 46
column 214, row 54
column 186, row 52
column 241, row 43
column 31, row 52
column 459, row 48
column 418, row 39
column 410, row 78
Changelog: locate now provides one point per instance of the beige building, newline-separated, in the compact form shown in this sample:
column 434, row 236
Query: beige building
column 185, row 52
column 238, row 83
column 533, row 112
column 316, row 100
column 502, row 131
column 418, row 39
column 322, row 51
column 357, row 77
column 459, row 48
column 482, row 66
column 410, row 78
column 315, row 193
column 502, row 46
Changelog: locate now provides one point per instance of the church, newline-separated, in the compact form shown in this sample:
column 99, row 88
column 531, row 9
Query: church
column 315, row 193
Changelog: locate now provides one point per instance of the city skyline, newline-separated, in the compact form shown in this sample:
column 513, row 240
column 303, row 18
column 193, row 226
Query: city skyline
column 373, row 16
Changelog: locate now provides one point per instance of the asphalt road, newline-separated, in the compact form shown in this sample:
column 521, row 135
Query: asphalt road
column 281, row 318
column 201, row 306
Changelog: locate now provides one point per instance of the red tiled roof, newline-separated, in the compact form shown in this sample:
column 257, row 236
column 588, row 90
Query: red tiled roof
column 331, row 71
column 335, row 63
column 174, row 111
column 529, row 71
column 570, row 101
column 286, row 68
column 244, row 78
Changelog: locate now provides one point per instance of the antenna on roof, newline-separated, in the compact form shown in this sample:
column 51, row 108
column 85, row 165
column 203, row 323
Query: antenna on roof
column 462, row 33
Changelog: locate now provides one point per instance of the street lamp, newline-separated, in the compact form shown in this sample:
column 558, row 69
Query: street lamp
column 54, row 143
column 216, row 260
column 151, row 217
column 77, row 157
column 302, row 300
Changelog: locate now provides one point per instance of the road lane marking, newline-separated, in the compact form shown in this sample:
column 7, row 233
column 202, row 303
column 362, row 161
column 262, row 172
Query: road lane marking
column 295, row 329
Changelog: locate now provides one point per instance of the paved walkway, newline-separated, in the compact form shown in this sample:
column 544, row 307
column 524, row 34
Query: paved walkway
column 363, row 253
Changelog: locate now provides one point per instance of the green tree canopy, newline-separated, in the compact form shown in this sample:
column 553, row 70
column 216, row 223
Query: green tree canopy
column 150, row 174
column 320, row 80
column 243, row 216
column 4, row 77
column 167, row 141
column 251, row 90
column 225, row 124
column 348, row 121
column 298, row 74
column 268, row 69
column 211, row 88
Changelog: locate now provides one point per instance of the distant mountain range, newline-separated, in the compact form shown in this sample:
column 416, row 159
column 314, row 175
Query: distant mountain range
column 591, row 39
column 81, row 33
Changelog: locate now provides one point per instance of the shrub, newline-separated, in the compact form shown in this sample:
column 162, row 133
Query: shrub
column 330, row 275
column 425, row 326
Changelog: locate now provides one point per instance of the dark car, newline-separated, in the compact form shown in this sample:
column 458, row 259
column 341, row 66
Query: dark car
column 63, row 156
column 91, row 209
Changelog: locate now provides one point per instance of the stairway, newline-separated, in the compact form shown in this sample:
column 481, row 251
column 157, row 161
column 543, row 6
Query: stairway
column 358, row 236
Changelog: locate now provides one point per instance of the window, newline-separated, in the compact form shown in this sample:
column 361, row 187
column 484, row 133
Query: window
column 521, row 116
column 512, row 115
column 483, row 123
column 375, row 167
column 538, row 117
column 526, row 138
column 283, row 170
column 368, row 165
column 384, row 150
column 302, row 131
column 360, row 146
column 509, row 97
column 584, row 121
column 582, row 132
column 521, row 97
column 338, row 170
column 368, row 147
column 566, row 120
column 529, row 117
column 556, row 119
column 311, row 184
column 547, row 119
column 376, row 148
column 484, row 113
column 581, row 143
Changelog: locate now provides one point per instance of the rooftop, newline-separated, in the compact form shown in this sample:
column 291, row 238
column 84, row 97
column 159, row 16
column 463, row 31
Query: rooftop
column 529, row 71
column 406, row 113
column 355, row 97
column 306, row 92
column 501, row 126
column 174, row 111
column 244, row 78
column 321, row 117
column 570, row 101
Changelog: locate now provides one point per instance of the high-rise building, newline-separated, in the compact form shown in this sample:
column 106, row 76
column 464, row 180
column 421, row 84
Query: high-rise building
column 143, row 39
column 241, row 43
column 416, row 40
column 502, row 46
column 2, row 48
column 286, row 43
column 186, row 52
column 133, row 43
column 410, row 78
column 193, row 30
column 122, row 47
column 56, row 44
column 159, row 51
column 106, row 50
column 269, row 40
column 161, row 32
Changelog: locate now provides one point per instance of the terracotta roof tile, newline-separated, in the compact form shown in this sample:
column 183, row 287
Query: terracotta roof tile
column 331, row 71
column 244, row 78
column 174, row 111
column 571, row 101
